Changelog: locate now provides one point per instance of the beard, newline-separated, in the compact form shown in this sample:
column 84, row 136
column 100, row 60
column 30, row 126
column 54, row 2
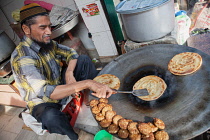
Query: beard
column 46, row 46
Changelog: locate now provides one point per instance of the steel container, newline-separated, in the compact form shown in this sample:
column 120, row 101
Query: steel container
column 149, row 23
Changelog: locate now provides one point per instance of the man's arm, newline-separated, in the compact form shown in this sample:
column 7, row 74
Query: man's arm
column 69, row 75
column 71, row 86
column 99, row 90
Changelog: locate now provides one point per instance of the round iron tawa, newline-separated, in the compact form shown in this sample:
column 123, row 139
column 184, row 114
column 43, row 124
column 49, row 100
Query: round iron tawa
column 184, row 106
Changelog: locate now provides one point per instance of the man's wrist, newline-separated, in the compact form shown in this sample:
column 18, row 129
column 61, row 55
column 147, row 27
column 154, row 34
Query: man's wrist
column 70, row 71
column 87, row 83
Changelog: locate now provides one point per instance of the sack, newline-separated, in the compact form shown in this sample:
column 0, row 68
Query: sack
column 200, row 17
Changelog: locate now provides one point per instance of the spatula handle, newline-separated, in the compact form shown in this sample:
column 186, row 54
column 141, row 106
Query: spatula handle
column 118, row 91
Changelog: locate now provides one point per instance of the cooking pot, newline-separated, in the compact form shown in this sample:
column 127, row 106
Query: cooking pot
column 5, row 68
column 185, row 104
column 148, row 23
column 6, row 46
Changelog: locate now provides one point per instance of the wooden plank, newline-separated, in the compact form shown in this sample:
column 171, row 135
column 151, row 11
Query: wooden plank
column 6, row 88
column 14, row 87
column 12, row 98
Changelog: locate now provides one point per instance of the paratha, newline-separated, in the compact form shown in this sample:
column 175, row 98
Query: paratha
column 110, row 80
column 154, row 84
column 185, row 63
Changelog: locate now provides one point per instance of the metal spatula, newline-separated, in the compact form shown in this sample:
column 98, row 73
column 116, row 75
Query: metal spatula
column 139, row 92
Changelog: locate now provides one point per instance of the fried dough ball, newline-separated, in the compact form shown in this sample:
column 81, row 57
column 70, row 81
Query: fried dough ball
column 101, row 105
column 99, row 116
column 134, row 136
column 159, row 123
column 110, row 114
column 106, row 108
column 144, row 128
column 132, row 128
column 161, row 135
column 93, row 102
column 113, row 129
column 123, row 133
column 150, row 136
column 105, row 123
column 103, row 100
column 116, row 118
column 154, row 128
column 123, row 123
column 95, row 110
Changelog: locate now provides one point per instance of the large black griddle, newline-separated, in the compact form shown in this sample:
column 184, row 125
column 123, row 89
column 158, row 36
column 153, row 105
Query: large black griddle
column 184, row 106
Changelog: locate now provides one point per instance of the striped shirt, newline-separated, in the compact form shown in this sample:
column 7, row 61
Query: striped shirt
column 37, row 72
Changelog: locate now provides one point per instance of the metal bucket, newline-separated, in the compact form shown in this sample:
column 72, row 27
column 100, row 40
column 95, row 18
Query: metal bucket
column 149, row 23
column 6, row 46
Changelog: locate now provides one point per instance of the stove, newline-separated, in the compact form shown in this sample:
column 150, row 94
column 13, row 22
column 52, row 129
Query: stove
column 184, row 106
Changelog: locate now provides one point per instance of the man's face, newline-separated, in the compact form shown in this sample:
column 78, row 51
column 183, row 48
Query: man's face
column 41, row 31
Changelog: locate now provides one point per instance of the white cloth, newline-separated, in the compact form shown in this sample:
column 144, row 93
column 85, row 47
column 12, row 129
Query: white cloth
column 31, row 122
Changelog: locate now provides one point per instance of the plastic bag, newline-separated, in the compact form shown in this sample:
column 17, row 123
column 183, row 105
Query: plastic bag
column 200, row 15
column 183, row 26
column 16, row 15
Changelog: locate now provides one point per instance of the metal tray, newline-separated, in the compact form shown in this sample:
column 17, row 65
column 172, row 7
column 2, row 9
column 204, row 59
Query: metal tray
column 61, row 29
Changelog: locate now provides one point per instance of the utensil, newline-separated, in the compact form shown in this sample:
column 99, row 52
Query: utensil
column 175, row 105
column 103, row 135
column 139, row 92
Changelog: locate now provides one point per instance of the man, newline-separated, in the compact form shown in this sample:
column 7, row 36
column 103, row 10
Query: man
column 36, row 68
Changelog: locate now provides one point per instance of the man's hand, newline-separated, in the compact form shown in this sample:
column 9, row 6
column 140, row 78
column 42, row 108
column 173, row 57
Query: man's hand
column 100, row 90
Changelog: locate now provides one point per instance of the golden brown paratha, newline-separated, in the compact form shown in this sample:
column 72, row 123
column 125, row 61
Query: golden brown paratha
column 185, row 63
column 108, row 79
column 154, row 84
